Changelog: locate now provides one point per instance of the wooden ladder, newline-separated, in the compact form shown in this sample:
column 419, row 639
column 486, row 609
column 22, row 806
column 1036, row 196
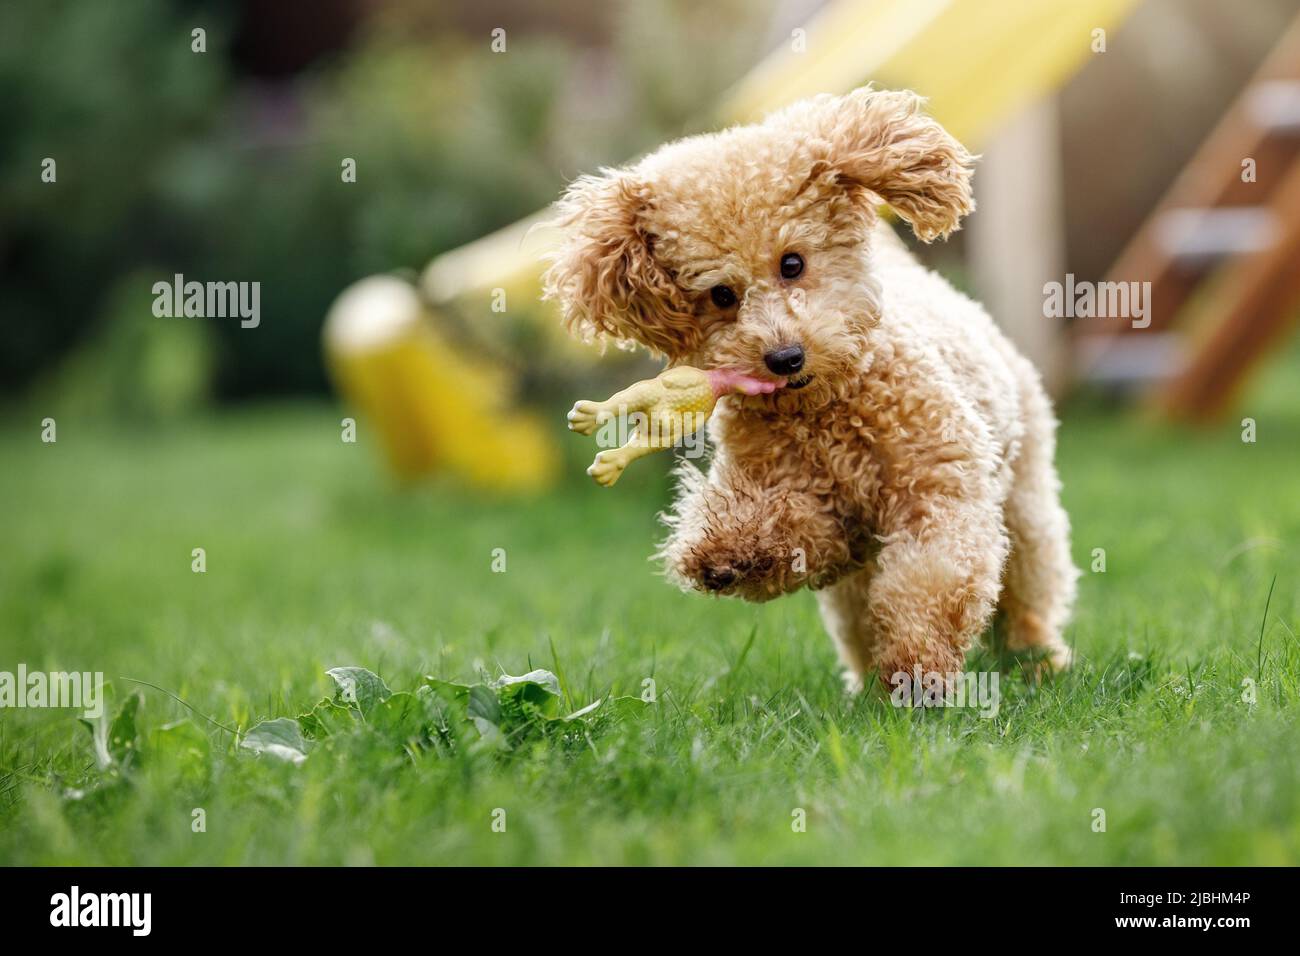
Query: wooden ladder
column 1222, row 253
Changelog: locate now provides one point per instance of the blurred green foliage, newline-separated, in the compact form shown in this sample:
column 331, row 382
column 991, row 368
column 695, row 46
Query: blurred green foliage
column 171, row 161
column 133, row 363
column 108, row 91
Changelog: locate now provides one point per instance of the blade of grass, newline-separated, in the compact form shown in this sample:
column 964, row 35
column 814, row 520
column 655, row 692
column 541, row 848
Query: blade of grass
column 1259, row 650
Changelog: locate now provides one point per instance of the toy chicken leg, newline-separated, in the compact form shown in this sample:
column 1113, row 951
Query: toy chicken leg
column 665, row 409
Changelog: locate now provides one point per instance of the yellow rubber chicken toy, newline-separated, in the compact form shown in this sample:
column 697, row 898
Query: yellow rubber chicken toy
column 662, row 411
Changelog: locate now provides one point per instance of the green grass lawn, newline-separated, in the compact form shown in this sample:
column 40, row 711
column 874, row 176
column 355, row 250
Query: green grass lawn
column 315, row 561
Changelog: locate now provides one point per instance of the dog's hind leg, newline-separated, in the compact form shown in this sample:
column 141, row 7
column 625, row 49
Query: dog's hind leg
column 844, row 612
column 1039, row 584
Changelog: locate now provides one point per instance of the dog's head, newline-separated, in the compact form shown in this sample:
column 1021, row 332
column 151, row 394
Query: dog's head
column 747, row 249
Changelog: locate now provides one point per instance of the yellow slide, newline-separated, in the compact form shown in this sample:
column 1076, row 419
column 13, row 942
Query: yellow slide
column 431, row 406
column 977, row 61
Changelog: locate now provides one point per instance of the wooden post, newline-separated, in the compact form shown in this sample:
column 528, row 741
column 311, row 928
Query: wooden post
column 1016, row 237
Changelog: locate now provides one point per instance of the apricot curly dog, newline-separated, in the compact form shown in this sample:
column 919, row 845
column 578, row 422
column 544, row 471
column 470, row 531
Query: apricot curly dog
column 905, row 470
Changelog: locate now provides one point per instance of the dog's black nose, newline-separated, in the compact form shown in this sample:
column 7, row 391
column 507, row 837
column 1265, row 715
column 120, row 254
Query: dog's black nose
column 786, row 360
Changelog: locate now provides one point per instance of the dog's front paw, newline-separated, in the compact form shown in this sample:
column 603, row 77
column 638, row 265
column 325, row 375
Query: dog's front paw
column 751, row 541
column 753, row 573
column 718, row 578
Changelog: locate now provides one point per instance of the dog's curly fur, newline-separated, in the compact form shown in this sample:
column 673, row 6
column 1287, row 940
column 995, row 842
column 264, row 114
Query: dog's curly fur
column 911, row 480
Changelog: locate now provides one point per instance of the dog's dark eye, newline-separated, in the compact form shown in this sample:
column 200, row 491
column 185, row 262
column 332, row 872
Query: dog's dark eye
column 724, row 297
column 791, row 265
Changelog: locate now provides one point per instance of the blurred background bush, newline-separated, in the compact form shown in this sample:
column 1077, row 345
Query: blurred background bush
column 226, row 165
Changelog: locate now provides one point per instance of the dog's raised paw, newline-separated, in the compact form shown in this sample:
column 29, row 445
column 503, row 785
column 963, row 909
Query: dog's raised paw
column 718, row 577
column 734, row 574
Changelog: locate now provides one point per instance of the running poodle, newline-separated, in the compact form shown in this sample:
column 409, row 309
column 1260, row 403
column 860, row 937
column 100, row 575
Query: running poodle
column 904, row 469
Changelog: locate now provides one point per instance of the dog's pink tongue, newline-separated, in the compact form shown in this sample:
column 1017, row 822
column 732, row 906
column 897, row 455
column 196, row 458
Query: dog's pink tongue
column 727, row 380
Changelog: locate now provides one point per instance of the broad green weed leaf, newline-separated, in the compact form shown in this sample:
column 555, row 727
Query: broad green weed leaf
column 98, row 728
column 489, row 733
column 114, row 742
column 122, row 743
column 281, row 738
column 524, row 701
column 448, row 691
column 483, row 705
column 446, row 711
column 528, row 698
column 400, row 718
column 358, row 686
column 446, row 716
column 443, row 701
column 542, row 678
column 328, row 718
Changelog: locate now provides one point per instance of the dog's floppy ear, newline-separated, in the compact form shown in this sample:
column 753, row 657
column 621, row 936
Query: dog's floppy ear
column 880, row 141
column 605, row 276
